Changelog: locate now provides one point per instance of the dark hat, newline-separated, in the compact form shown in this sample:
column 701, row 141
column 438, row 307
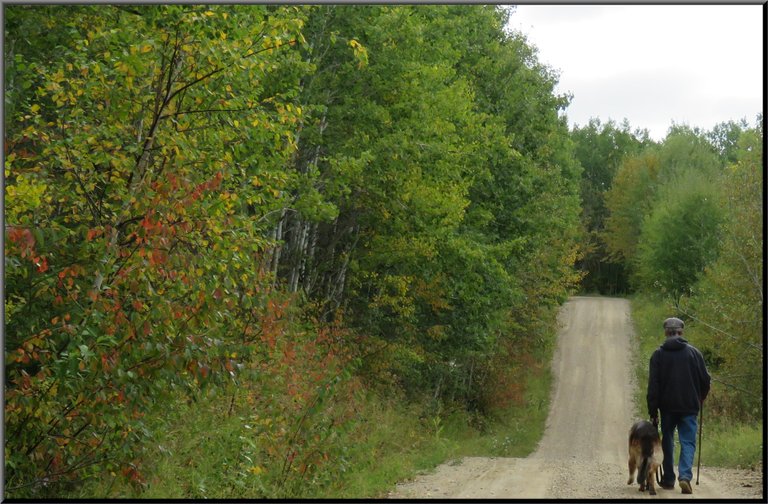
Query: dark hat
column 673, row 323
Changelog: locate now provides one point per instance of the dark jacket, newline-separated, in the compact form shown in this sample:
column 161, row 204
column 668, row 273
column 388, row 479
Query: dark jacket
column 678, row 379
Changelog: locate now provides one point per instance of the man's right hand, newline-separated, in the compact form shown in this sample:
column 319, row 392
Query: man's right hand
column 655, row 421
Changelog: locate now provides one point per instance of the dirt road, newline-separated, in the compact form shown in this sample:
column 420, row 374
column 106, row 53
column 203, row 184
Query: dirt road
column 583, row 453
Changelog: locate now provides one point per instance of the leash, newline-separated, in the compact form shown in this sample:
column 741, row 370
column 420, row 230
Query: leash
column 659, row 471
column 659, row 475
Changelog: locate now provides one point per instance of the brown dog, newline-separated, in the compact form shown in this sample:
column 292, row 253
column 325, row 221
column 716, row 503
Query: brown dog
column 645, row 454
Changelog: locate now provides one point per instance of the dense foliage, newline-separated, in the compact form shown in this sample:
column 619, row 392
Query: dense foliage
column 274, row 206
column 685, row 218
column 727, row 303
column 600, row 149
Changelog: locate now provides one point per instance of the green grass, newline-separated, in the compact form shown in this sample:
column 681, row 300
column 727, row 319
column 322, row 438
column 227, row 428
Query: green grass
column 201, row 452
column 725, row 442
column 647, row 317
column 399, row 445
column 196, row 454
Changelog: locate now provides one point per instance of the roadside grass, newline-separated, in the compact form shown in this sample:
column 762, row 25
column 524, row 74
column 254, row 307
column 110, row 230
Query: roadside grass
column 725, row 442
column 647, row 317
column 202, row 452
column 194, row 455
column 399, row 445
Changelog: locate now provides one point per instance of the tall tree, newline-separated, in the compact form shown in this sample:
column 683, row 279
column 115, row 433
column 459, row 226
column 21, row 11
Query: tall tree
column 727, row 303
column 654, row 182
column 600, row 149
column 680, row 236
column 629, row 199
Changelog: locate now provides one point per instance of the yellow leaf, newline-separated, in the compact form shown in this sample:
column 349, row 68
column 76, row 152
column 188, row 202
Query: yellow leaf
column 210, row 13
column 34, row 108
column 256, row 470
column 146, row 48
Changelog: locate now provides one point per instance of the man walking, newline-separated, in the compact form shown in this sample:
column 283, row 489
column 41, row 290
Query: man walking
column 678, row 382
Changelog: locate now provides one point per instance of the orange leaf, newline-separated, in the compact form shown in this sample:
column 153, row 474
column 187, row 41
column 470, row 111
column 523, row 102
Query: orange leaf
column 41, row 263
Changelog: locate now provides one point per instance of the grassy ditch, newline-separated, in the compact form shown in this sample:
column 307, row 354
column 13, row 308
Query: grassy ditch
column 205, row 450
column 727, row 442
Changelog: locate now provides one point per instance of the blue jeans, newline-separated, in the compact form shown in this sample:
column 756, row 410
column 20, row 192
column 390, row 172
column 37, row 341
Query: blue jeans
column 686, row 431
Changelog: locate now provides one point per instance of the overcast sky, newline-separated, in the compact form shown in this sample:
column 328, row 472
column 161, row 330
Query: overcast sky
column 652, row 64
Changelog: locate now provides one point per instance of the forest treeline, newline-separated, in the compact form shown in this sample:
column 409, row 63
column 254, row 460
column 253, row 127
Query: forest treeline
column 681, row 222
column 285, row 208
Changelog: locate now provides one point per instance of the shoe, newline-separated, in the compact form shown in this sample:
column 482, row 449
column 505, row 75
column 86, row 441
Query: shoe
column 668, row 486
column 686, row 486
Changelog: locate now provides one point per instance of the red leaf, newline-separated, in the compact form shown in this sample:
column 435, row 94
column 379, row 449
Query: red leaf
column 147, row 223
column 23, row 237
column 41, row 263
column 93, row 233
column 157, row 257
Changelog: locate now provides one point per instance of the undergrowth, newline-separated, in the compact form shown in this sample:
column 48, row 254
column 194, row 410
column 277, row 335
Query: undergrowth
column 204, row 449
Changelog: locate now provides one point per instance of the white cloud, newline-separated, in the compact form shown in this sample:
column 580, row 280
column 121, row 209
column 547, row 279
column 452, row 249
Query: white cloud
column 652, row 64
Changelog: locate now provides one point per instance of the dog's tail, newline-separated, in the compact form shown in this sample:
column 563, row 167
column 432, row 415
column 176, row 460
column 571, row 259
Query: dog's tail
column 642, row 472
column 645, row 465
